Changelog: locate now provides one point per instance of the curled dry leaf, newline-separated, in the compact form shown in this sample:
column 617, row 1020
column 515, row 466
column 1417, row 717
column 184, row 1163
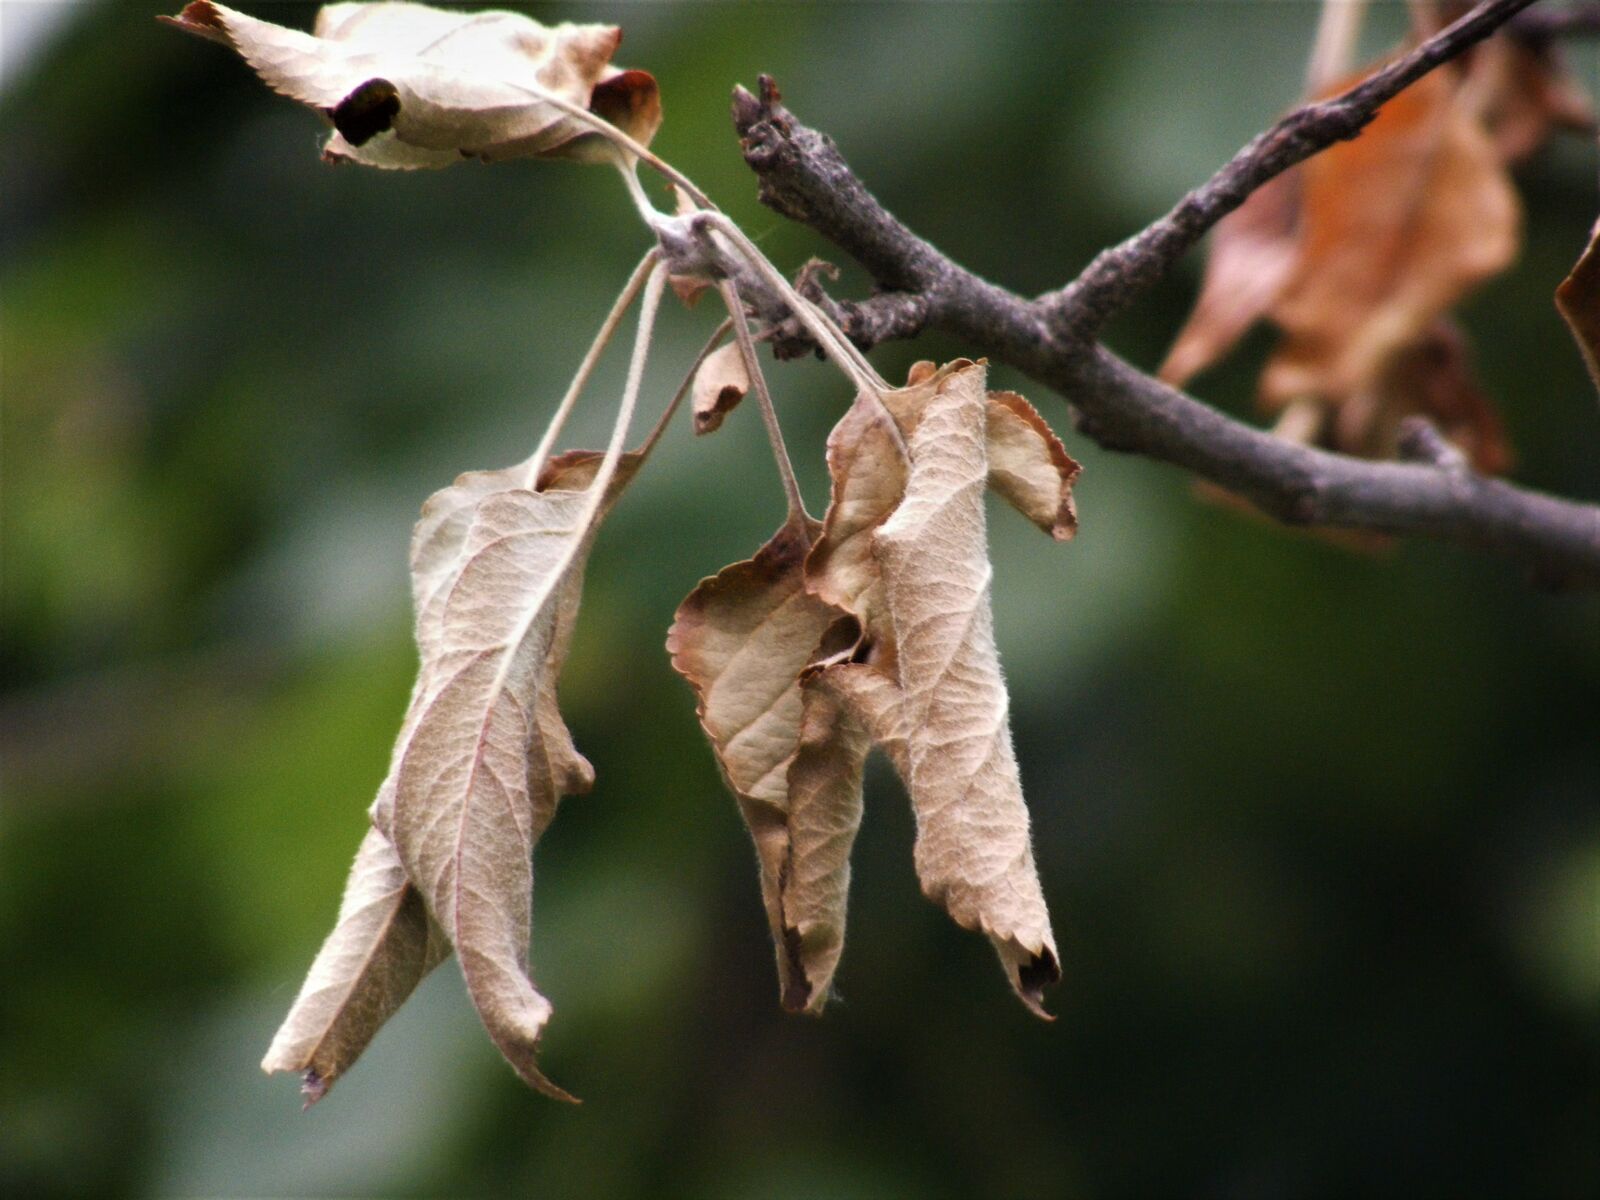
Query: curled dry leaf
column 741, row 639
column 1356, row 255
column 489, row 757
column 1028, row 466
column 1397, row 225
column 769, row 645
column 382, row 946
column 973, row 852
column 719, row 385
column 477, row 769
column 1252, row 255
column 384, row 941
column 406, row 85
column 904, row 549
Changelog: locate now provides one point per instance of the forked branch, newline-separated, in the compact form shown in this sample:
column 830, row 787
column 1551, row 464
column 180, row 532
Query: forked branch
column 1053, row 338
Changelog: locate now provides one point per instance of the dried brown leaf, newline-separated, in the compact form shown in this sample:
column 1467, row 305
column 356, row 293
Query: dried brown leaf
column 1028, row 466
column 824, row 785
column 1356, row 255
column 867, row 459
column 973, row 852
column 1397, row 225
column 719, row 385
column 381, row 947
column 1253, row 253
column 741, row 639
column 486, row 756
column 406, row 85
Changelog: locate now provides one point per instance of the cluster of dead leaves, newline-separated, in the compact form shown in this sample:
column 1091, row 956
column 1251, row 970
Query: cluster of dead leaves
column 1358, row 255
column 874, row 628
column 870, row 628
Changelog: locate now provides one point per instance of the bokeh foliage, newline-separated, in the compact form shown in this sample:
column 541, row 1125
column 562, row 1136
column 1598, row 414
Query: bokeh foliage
column 1321, row 830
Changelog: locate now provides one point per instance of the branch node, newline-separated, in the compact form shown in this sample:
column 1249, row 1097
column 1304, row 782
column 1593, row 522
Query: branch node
column 1421, row 441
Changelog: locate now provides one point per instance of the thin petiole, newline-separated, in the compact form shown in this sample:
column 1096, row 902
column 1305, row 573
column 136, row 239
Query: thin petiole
column 844, row 353
column 620, row 139
column 586, row 368
column 595, row 498
column 712, row 343
column 752, row 368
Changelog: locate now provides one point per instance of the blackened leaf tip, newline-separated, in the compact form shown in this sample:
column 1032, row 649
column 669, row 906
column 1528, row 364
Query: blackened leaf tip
column 1039, row 972
column 367, row 111
column 313, row 1087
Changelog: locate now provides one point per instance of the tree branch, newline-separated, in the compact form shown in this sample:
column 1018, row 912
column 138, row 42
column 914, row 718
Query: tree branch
column 803, row 176
column 1120, row 275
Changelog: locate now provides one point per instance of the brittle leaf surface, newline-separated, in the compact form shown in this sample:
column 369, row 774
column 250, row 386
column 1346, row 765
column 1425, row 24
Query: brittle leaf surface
column 381, row 947
column 487, row 757
column 407, row 85
column 742, row 639
column 719, row 385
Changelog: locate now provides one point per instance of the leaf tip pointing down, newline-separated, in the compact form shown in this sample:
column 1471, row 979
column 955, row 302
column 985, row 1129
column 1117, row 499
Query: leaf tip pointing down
column 1032, row 977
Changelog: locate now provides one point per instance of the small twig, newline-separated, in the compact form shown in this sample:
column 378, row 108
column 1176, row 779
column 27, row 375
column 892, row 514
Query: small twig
column 1421, row 441
column 769, row 416
column 1119, row 276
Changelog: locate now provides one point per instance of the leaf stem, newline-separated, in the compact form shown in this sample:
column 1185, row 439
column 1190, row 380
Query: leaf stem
column 604, row 127
column 715, row 340
column 844, row 353
column 839, row 348
column 769, row 415
column 608, row 329
column 595, row 498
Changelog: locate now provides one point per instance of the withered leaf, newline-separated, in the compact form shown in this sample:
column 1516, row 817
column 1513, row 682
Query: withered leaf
column 1578, row 299
column 719, row 385
column 824, row 782
column 488, row 757
column 496, row 576
column 381, row 947
column 741, row 639
column 1028, row 466
column 406, row 85
column 904, row 549
column 384, row 940
column 973, row 852
column 1252, row 255
column 1356, row 255
column 1397, row 225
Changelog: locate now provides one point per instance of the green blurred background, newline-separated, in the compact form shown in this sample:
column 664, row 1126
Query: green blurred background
column 1320, row 831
